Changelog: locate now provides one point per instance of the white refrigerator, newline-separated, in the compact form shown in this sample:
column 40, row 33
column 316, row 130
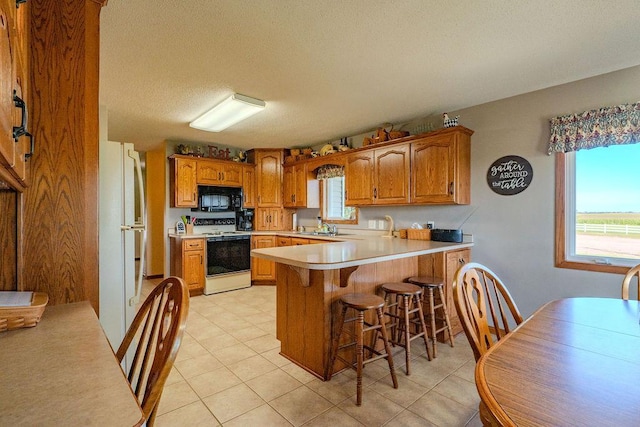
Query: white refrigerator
column 119, row 172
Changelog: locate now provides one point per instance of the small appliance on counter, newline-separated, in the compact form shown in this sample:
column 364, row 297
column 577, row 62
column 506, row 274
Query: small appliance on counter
column 244, row 220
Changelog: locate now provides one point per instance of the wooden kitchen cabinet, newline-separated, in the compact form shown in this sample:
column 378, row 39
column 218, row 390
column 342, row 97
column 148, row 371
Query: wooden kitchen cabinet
column 283, row 241
column 300, row 191
column 440, row 167
column 248, row 186
column 262, row 269
column 268, row 176
column 219, row 172
column 188, row 262
column 14, row 152
column 268, row 219
column 378, row 177
column 183, row 184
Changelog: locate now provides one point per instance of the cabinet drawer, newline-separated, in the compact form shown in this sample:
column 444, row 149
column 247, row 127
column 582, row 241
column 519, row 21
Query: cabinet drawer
column 192, row 244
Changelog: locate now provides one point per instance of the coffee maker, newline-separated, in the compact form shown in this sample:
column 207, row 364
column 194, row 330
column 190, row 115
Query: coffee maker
column 244, row 219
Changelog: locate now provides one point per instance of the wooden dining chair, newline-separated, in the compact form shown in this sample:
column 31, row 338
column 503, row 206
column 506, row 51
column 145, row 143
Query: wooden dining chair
column 153, row 340
column 626, row 282
column 484, row 306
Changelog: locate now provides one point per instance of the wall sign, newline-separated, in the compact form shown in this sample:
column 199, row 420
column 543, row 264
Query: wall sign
column 509, row 175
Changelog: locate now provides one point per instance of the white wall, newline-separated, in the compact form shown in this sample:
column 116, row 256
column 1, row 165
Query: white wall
column 514, row 235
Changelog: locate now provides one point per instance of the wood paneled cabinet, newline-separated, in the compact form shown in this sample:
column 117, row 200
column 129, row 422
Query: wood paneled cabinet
column 300, row 190
column 440, row 167
column 268, row 219
column 378, row 177
column 219, row 172
column 188, row 262
column 262, row 269
column 16, row 142
column 183, row 184
column 268, row 176
column 248, row 186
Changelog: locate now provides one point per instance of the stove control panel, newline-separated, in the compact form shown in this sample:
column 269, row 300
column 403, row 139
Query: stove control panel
column 215, row 221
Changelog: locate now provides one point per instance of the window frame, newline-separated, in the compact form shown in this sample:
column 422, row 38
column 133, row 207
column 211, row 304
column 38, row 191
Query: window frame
column 562, row 259
column 323, row 210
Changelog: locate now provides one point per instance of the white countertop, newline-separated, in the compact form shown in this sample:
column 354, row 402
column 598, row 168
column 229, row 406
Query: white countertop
column 354, row 250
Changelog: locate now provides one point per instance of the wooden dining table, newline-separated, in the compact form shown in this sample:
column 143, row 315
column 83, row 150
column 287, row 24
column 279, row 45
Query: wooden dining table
column 63, row 372
column 574, row 362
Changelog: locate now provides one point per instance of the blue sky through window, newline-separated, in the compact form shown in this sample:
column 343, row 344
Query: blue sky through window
column 608, row 179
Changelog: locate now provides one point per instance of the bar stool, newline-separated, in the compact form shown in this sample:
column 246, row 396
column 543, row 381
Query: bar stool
column 430, row 284
column 403, row 304
column 361, row 303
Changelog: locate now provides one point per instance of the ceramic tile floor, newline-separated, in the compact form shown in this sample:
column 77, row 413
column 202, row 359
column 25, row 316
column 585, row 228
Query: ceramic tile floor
column 229, row 372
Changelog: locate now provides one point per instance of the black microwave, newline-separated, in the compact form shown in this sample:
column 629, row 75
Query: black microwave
column 218, row 199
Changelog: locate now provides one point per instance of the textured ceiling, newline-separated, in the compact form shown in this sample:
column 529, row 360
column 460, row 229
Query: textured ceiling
column 329, row 68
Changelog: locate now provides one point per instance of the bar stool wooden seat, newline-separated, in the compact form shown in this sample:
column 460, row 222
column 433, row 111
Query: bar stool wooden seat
column 360, row 303
column 430, row 284
column 407, row 319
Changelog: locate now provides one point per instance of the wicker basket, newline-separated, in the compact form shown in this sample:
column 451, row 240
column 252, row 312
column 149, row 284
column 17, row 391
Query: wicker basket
column 418, row 234
column 23, row 317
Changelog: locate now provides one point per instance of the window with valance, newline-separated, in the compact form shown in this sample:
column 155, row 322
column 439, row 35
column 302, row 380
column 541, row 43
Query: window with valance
column 597, row 188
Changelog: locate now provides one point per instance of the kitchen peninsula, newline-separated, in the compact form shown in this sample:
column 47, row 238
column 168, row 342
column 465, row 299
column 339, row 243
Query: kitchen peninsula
column 312, row 278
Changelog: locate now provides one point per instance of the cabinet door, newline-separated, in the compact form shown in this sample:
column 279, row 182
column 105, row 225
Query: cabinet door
column 284, row 241
column 184, row 188
column 392, row 173
column 249, row 186
column 358, row 173
column 288, row 186
column 300, row 186
column 262, row 269
column 193, row 263
column 275, row 218
column 269, row 178
column 209, row 172
column 453, row 261
column 433, row 170
column 297, row 241
column 232, row 174
column 7, row 145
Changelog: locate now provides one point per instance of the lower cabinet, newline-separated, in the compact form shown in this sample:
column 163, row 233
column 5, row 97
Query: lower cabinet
column 187, row 262
column 262, row 269
column 453, row 260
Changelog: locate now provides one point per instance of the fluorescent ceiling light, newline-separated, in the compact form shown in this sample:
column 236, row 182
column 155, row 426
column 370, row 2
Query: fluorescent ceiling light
column 229, row 112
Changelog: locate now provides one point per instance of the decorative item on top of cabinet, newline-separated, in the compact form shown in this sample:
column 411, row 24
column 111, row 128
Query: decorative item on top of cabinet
column 182, row 182
column 378, row 177
column 440, row 167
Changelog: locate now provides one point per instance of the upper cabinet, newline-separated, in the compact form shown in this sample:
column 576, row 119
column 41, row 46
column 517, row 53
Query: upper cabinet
column 219, row 172
column 248, row 186
column 183, row 185
column 16, row 143
column 378, row 176
column 300, row 190
column 440, row 167
column 268, row 176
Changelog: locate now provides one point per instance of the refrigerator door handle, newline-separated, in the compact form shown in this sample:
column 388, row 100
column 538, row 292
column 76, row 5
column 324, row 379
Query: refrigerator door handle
column 141, row 227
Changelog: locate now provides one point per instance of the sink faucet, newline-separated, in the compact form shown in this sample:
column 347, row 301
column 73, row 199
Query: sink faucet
column 331, row 229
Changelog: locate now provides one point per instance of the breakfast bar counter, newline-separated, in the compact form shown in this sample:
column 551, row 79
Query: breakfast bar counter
column 311, row 279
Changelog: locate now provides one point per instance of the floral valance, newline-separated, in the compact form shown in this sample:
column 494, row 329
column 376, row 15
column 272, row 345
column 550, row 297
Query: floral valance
column 595, row 128
column 330, row 171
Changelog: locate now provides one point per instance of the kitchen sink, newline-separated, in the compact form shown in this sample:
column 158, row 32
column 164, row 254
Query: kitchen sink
column 320, row 233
